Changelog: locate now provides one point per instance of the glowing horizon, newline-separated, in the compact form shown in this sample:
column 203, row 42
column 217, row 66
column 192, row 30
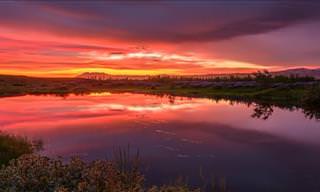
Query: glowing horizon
column 151, row 38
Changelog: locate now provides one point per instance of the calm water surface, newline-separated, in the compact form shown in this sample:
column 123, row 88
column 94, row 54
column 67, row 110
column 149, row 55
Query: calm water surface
column 176, row 136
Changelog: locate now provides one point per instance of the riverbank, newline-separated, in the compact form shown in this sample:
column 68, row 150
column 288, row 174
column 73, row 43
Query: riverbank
column 277, row 93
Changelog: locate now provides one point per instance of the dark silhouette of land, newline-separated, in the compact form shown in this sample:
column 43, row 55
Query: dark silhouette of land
column 262, row 88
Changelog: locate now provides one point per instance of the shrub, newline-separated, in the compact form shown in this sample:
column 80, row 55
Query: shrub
column 37, row 173
column 12, row 146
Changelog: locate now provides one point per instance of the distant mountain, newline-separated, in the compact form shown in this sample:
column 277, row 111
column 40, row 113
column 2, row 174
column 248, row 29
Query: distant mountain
column 301, row 72
column 105, row 76
column 94, row 75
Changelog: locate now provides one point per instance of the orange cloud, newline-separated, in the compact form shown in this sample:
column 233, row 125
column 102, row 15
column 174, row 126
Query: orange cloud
column 66, row 39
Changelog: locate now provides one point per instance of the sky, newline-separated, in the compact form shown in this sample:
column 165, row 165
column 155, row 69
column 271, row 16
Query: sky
column 67, row 38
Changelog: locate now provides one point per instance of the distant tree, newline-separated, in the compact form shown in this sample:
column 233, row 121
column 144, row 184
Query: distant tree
column 311, row 102
column 264, row 77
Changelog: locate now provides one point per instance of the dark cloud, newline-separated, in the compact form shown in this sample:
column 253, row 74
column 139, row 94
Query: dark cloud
column 176, row 21
column 280, row 16
column 266, row 33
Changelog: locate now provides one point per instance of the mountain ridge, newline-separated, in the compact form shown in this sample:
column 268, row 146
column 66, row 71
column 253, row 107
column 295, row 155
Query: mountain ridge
column 301, row 72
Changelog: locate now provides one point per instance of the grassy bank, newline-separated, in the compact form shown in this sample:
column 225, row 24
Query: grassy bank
column 287, row 94
column 274, row 95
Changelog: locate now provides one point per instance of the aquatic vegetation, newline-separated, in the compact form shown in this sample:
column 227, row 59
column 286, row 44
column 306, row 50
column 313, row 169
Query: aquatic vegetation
column 12, row 146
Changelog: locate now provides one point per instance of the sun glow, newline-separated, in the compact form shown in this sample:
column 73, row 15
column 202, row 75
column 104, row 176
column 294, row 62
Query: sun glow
column 56, row 41
column 77, row 71
column 135, row 55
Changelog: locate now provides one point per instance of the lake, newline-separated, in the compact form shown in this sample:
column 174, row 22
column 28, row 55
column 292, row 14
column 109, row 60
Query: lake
column 176, row 136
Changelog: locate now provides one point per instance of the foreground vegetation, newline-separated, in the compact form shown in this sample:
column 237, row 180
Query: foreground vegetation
column 12, row 147
column 24, row 170
column 37, row 173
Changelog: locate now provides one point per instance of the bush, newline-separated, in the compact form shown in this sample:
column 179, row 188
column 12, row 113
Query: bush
column 312, row 97
column 37, row 173
column 12, row 146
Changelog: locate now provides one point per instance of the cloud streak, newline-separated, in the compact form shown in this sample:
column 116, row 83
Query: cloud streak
column 156, row 21
column 183, row 37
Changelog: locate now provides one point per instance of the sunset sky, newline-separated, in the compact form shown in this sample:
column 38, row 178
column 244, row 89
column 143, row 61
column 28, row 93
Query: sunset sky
column 67, row 38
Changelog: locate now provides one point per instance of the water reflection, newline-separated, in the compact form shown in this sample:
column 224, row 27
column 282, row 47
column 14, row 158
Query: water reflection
column 261, row 110
column 265, row 110
column 312, row 113
column 176, row 135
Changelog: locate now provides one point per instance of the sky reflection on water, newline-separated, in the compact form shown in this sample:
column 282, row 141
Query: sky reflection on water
column 176, row 136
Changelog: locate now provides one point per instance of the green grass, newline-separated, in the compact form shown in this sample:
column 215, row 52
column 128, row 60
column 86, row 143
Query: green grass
column 12, row 147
